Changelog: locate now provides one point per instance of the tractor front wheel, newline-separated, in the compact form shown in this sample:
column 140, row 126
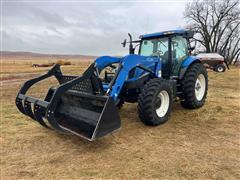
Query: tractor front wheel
column 194, row 86
column 120, row 103
column 155, row 102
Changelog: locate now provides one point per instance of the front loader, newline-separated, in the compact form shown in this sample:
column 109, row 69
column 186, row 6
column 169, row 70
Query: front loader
column 163, row 70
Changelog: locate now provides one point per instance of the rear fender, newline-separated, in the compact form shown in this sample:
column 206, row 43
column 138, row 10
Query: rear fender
column 186, row 63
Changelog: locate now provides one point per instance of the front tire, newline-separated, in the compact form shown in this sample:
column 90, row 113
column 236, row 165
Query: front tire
column 155, row 102
column 194, row 86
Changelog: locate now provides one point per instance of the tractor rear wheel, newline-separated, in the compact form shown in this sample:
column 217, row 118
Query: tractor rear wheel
column 155, row 102
column 194, row 86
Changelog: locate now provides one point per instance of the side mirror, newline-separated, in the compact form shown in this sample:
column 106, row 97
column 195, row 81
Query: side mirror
column 192, row 47
column 124, row 42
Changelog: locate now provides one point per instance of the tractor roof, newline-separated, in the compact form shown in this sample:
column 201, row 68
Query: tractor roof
column 184, row 32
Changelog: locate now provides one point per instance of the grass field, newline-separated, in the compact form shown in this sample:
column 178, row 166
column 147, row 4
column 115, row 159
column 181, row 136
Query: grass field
column 193, row 144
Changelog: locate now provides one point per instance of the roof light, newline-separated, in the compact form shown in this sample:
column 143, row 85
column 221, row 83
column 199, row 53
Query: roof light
column 168, row 32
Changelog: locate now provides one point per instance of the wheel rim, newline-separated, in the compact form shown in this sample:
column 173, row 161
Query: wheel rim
column 162, row 103
column 200, row 87
column 220, row 69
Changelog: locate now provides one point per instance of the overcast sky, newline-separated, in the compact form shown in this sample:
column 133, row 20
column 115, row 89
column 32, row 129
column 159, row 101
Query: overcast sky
column 91, row 28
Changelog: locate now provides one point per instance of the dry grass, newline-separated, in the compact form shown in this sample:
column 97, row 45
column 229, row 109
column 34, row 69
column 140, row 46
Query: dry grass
column 198, row 144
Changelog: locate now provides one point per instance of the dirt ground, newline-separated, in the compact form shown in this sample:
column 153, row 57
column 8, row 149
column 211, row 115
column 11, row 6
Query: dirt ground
column 193, row 144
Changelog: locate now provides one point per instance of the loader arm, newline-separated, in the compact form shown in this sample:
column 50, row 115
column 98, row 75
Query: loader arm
column 126, row 64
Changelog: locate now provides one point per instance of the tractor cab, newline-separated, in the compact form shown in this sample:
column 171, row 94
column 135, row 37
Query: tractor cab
column 172, row 47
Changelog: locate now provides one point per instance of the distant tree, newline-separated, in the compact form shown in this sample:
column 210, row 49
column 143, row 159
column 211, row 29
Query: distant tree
column 217, row 24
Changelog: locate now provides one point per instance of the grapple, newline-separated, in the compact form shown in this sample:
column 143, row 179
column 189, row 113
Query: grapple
column 77, row 105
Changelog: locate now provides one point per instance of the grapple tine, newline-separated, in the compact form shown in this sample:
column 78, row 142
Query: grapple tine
column 20, row 106
column 28, row 109
column 39, row 113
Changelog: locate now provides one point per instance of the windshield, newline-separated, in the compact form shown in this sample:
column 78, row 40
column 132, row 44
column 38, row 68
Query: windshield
column 154, row 47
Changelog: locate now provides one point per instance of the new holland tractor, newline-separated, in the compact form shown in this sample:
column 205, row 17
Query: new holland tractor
column 161, row 72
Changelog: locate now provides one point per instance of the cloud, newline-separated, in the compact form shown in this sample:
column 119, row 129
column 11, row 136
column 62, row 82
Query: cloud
column 84, row 28
column 54, row 30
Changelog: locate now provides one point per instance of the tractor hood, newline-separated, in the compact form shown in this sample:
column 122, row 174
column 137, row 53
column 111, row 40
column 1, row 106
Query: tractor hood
column 105, row 61
column 128, row 61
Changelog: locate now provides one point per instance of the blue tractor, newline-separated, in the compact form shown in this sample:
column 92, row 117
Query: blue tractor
column 162, row 71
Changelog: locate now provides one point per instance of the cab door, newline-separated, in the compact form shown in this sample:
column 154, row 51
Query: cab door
column 179, row 50
column 162, row 49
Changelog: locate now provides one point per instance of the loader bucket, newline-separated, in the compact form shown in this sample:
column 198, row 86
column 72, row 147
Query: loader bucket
column 72, row 106
column 86, row 115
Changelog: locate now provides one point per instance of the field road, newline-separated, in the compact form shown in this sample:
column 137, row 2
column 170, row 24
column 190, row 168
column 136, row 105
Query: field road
column 17, row 78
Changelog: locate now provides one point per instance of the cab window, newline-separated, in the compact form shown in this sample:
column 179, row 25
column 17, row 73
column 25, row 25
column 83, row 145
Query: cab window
column 179, row 48
column 155, row 47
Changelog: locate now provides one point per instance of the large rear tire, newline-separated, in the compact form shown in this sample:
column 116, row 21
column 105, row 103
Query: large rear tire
column 194, row 86
column 155, row 102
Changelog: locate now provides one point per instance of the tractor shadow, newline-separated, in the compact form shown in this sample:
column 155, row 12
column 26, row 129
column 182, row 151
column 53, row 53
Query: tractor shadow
column 132, row 128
